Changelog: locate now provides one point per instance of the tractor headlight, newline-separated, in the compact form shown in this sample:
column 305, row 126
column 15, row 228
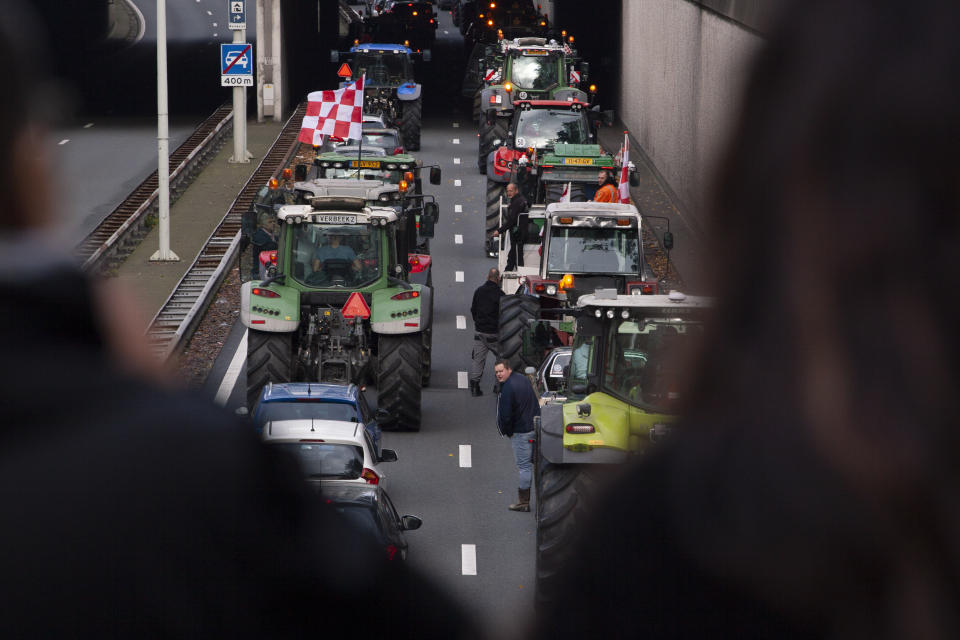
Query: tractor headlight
column 551, row 289
column 610, row 313
column 391, row 166
column 598, row 313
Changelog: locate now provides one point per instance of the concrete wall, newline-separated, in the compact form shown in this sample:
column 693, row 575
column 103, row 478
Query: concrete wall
column 683, row 73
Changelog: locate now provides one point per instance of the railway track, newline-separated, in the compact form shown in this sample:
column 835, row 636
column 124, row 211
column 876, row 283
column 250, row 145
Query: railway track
column 126, row 224
column 173, row 325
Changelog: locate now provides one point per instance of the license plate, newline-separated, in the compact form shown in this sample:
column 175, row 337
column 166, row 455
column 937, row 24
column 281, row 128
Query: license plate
column 578, row 161
column 365, row 164
column 327, row 218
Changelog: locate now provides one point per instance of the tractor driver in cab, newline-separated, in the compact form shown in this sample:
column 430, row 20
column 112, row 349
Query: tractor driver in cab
column 335, row 258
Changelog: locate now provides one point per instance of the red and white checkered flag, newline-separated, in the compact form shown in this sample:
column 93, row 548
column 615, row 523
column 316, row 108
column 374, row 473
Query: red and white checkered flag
column 336, row 113
column 625, row 170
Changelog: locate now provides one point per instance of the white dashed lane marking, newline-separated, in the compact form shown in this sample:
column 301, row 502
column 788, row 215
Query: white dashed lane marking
column 458, row 183
column 468, row 555
column 456, row 141
column 456, row 161
column 458, row 239
column 458, row 208
column 459, row 276
column 461, row 322
column 462, row 380
column 456, row 125
column 88, row 125
column 465, row 457
column 63, row 142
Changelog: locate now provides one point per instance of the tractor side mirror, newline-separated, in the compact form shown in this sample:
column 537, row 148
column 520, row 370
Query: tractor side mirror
column 334, row 55
column 431, row 210
column 427, row 55
column 584, row 70
column 607, row 117
column 667, row 240
column 435, row 175
column 427, row 226
column 300, row 173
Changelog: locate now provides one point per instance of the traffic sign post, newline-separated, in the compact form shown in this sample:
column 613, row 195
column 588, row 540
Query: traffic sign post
column 238, row 14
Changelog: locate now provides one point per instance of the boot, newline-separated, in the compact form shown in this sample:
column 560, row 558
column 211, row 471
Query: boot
column 523, row 501
column 475, row 388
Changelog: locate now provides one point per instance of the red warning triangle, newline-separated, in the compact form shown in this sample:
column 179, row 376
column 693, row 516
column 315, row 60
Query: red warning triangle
column 345, row 71
column 356, row 306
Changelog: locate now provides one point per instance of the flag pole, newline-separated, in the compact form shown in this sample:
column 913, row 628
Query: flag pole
column 363, row 101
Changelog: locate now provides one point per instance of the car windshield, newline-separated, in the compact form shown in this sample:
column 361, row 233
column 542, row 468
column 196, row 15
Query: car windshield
column 325, row 459
column 341, row 255
column 534, row 72
column 305, row 409
column 593, row 250
column 382, row 68
column 643, row 361
column 541, row 128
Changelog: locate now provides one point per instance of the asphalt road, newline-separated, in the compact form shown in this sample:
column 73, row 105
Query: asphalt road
column 457, row 473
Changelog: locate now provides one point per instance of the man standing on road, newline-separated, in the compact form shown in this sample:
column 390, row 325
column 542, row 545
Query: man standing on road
column 608, row 191
column 516, row 223
column 486, row 324
column 517, row 404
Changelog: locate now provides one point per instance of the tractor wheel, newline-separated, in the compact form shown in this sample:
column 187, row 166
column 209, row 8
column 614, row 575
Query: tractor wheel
column 399, row 378
column 410, row 124
column 516, row 311
column 555, row 190
column 477, row 111
column 269, row 359
column 494, row 191
column 489, row 133
column 427, row 360
column 563, row 492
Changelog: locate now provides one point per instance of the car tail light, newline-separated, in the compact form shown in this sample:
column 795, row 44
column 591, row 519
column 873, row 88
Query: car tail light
column 578, row 428
column 391, row 551
column 370, row 476
column 266, row 293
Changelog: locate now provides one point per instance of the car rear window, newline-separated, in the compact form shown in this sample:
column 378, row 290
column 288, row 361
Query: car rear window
column 275, row 411
column 326, row 460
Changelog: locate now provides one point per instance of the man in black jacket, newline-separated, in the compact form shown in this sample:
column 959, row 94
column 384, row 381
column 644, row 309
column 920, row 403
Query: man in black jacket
column 516, row 223
column 517, row 404
column 486, row 325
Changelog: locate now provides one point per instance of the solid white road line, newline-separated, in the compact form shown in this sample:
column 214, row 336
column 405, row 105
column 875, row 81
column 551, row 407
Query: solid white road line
column 458, row 183
column 459, row 276
column 232, row 373
column 457, row 238
column 456, row 161
column 456, row 141
column 461, row 322
column 468, row 555
column 456, row 125
column 465, row 458
column 88, row 125
column 458, row 208
column 462, row 380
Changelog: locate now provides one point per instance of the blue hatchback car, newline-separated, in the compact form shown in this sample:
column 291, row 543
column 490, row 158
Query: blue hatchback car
column 319, row 400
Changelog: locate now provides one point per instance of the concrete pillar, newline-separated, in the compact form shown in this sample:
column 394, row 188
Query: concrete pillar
column 270, row 98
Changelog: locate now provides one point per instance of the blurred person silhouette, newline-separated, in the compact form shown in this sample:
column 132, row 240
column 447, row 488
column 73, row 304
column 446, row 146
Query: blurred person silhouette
column 132, row 510
column 813, row 488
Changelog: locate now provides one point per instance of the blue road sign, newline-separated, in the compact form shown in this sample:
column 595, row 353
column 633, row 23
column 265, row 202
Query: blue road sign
column 238, row 14
column 236, row 65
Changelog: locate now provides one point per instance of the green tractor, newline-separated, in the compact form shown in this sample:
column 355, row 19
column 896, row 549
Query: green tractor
column 623, row 391
column 339, row 302
column 525, row 69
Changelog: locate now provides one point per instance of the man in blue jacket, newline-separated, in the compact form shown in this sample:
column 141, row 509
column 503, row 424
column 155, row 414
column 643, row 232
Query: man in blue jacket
column 517, row 404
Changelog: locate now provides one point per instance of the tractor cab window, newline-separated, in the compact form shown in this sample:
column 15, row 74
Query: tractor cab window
column 643, row 361
column 593, row 250
column 328, row 256
column 391, row 176
column 581, row 360
column 382, row 68
column 536, row 73
column 540, row 128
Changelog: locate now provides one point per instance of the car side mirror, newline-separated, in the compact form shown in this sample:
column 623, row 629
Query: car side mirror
column 435, row 175
column 334, row 55
column 667, row 240
column 410, row 523
column 300, row 173
column 387, row 455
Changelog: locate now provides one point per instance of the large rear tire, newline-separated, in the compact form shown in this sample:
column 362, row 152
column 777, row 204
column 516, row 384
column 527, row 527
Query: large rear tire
column 269, row 359
column 410, row 117
column 555, row 189
column 494, row 191
column 488, row 134
column 563, row 492
column 399, row 378
column 477, row 110
column 516, row 312
column 427, row 357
